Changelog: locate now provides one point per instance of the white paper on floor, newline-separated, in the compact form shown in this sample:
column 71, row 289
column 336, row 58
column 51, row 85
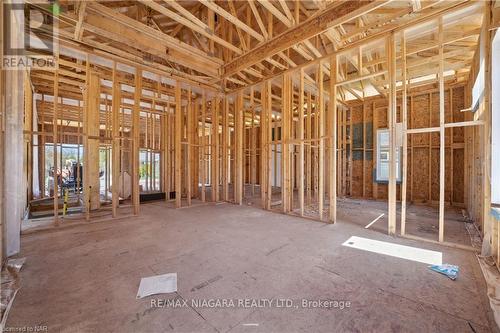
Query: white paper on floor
column 159, row 284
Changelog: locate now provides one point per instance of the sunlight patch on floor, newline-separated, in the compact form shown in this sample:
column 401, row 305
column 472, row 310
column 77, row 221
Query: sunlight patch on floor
column 395, row 250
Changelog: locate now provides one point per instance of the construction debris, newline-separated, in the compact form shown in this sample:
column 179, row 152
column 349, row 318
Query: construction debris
column 450, row 271
column 159, row 284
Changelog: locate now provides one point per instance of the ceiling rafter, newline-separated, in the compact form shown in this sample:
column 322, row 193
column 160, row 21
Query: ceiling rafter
column 233, row 19
column 191, row 25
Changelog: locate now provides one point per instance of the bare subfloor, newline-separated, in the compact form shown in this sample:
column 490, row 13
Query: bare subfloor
column 85, row 278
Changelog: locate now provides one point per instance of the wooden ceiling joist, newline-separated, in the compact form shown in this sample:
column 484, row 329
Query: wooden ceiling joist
column 333, row 15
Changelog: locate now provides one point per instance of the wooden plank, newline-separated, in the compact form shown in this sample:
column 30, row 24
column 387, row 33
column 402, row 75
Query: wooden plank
column 204, row 31
column 268, row 96
column 234, row 20
column 260, row 23
column 404, row 114
column 300, row 170
column 308, row 148
column 54, row 145
column 285, row 137
column 265, row 126
column 391, row 113
column 332, row 217
column 215, row 149
column 374, row 155
column 203, row 153
column 135, row 142
column 178, row 146
column 189, row 147
column 321, row 157
column 92, row 148
column 442, row 148
column 179, row 52
column 196, row 149
column 168, row 157
column 115, row 127
column 344, row 152
column 253, row 144
column 225, row 148
column 333, row 15
column 429, row 156
column 238, row 153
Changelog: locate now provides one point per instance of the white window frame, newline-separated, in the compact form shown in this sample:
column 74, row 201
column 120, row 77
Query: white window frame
column 383, row 157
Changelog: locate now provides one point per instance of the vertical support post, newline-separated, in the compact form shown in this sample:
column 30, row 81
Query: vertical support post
column 225, row 137
column 238, row 153
column 269, row 160
column 178, row 147
column 203, row 163
column 54, row 141
column 391, row 113
column 91, row 124
column 265, row 125
column 116, row 141
column 300, row 171
column 486, row 33
column 374, row 155
column 215, row 149
column 309, row 147
column 285, row 137
column 404, row 113
column 135, row 142
column 189, row 145
column 168, row 158
column 253, row 157
column 321, row 124
column 333, row 140
column 441, row 133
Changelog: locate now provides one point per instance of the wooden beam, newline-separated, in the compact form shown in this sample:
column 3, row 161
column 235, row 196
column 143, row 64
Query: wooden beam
column 286, row 116
column 204, row 31
column 238, row 150
column 275, row 12
column 115, row 125
column 391, row 115
column 321, row 132
column 256, row 14
column 91, row 124
column 178, row 146
column 178, row 52
column 203, row 155
column 404, row 115
column 331, row 16
column 225, row 148
column 442, row 142
column 234, row 20
column 300, row 171
column 265, row 129
column 136, row 114
column 215, row 149
column 332, row 217
column 82, row 5
column 189, row 147
column 54, row 140
column 186, row 13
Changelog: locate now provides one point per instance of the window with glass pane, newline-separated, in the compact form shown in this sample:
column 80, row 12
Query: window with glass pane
column 383, row 157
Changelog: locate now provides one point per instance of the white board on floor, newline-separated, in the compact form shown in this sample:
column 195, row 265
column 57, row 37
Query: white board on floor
column 395, row 250
column 158, row 284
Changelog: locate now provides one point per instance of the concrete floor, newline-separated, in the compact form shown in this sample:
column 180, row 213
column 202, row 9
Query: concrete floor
column 85, row 278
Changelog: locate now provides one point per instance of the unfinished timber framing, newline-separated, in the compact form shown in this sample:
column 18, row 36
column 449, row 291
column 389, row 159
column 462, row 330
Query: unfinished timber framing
column 227, row 102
